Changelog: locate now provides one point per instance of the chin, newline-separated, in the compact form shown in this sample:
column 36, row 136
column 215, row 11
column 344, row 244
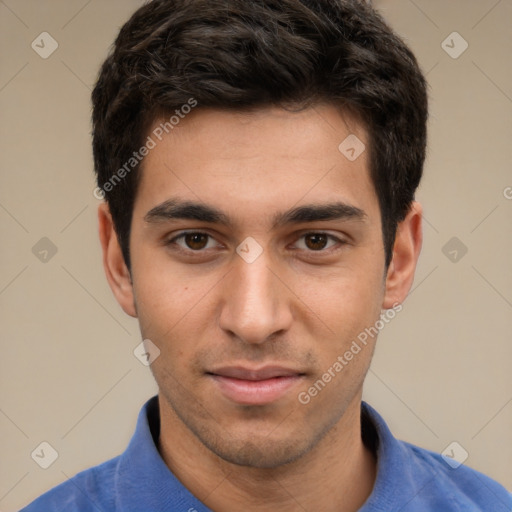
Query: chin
column 262, row 454
column 257, row 446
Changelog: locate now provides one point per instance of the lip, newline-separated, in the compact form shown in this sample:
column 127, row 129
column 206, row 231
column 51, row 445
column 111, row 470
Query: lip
column 247, row 386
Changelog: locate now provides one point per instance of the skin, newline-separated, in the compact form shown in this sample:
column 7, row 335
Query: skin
column 300, row 304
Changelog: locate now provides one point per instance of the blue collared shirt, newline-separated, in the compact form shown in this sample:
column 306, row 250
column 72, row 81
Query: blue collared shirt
column 409, row 479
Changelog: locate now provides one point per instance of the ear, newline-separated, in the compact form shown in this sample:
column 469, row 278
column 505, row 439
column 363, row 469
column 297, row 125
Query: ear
column 118, row 275
column 406, row 251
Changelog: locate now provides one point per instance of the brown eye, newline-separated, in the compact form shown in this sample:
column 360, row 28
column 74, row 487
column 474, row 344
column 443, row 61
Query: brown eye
column 316, row 241
column 195, row 246
column 196, row 241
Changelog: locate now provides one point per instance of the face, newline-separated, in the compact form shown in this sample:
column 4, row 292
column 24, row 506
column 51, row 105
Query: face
column 257, row 260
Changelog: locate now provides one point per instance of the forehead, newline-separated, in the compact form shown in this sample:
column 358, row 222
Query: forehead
column 260, row 162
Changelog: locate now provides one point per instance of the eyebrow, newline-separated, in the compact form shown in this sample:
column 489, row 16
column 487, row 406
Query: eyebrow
column 174, row 209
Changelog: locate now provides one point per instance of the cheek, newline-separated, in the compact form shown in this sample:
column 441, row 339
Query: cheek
column 169, row 302
column 345, row 302
column 348, row 310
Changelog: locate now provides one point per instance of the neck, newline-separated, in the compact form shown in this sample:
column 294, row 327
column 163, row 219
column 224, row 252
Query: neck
column 337, row 475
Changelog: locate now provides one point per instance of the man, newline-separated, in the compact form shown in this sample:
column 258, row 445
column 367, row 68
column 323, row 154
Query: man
column 258, row 161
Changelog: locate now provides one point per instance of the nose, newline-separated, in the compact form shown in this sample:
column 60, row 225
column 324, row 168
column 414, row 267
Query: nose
column 256, row 303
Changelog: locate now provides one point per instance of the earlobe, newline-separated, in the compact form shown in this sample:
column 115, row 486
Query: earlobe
column 116, row 271
column 406, row 251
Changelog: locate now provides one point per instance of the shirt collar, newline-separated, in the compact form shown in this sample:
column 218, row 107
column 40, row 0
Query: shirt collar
column 399, row 478
column 141, row 468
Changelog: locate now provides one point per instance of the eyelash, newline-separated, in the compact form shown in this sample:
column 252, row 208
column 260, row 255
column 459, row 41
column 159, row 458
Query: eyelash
column 174, row 246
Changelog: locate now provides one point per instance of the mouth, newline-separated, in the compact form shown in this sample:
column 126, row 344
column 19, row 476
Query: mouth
column 247, row 386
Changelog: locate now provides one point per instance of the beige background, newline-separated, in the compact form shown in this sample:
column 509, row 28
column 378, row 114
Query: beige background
column 441, row 372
